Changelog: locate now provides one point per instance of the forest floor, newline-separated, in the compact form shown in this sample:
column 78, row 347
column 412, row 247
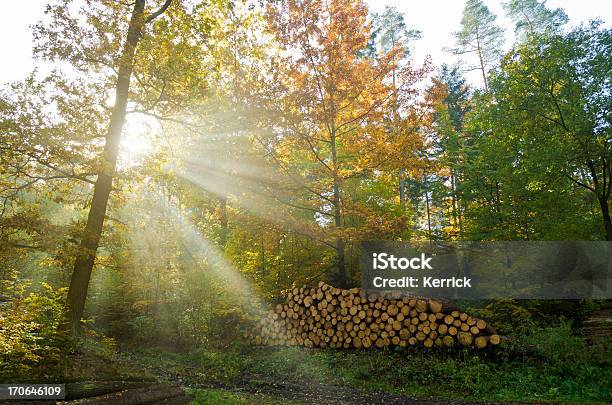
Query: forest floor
column 558, row 368
column 258, row 375
column 258, row 391
column 290, row 393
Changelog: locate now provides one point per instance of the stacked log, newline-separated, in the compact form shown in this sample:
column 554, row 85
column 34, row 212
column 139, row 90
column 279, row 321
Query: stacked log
column 599, row 325
column 325, row 316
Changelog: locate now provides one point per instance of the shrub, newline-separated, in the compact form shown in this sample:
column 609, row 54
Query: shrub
column 31, row 332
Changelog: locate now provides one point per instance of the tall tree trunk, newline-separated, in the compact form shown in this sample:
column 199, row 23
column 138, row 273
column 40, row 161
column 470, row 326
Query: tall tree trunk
column 483, row 68
column 90, row 240
column 402, row 189
column 454, row 214
column 342, row 279
column 263, row 253
column 602, row 187
column 428, row 212
column 605, row 212
column 396, row 128
column 427, row 207
column 341, row 276
column 457, row 215
column 223, row 221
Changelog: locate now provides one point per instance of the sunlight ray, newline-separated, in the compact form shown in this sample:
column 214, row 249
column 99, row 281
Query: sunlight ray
column 253, row 197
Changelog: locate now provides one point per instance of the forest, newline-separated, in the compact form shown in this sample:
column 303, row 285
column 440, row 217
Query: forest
column 172, row 169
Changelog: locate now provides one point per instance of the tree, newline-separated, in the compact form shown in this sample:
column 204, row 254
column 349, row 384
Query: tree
column 533, row 17
column 448, row 102
column 100, row 43
column 479, row 35
column 335, row 107
column 548, row 122
column 389, row 31
column 84, row 262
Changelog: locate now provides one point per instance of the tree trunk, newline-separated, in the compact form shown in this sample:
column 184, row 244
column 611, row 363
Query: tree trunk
column 90, row 240
column 481, row 60
column 402, row 189
column 427, row 208
column 605, row 212
column 341, row 276
column 223, row 222
column 455, row 202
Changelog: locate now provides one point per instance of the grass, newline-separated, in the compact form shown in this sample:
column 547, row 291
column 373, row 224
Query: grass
column 558, row 367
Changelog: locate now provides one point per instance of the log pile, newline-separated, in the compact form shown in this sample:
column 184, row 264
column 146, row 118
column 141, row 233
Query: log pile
column 599, row 325
column 325, row 316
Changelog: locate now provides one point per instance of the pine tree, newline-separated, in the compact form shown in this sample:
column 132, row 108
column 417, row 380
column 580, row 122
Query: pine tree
column 389, row 30
column 533, row 17
column 479, row 35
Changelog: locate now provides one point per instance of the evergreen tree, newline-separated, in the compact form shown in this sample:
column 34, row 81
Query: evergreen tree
column 479, row 35
column 389, row 30
column 533, row 17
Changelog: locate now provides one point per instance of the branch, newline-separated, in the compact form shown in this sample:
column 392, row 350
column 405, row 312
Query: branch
column 581, row 184
column 159, row 12
column 23, row 246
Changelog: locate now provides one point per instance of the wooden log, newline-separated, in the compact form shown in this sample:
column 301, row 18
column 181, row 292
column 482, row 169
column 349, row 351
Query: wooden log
column 494, row 339
column 435, row 306
column 481, row 342
column 323, row 316
column 465, row 338
column 448, row 341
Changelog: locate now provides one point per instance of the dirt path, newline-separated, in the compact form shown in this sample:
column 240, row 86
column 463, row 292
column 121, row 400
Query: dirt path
column 191, row 376
column 325, row 394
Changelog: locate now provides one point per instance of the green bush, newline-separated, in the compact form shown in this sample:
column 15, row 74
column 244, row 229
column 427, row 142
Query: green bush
column 31, row 333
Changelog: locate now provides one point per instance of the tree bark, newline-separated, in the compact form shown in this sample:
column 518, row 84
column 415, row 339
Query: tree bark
column 90, row 240
column 427, row 207
column 482, row 64
column 341, row 276
column 402, row 190
column 605, row 212
column 605, row 185
column 223, row 220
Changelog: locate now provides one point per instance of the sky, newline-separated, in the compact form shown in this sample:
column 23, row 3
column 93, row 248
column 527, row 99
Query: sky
column 437, row 19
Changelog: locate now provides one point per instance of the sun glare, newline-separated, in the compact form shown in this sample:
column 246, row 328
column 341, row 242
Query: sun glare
column 136, row 142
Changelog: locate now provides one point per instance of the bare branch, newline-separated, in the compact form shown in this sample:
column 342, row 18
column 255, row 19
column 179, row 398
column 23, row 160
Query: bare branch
column 159, row 12
column 581, row 184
